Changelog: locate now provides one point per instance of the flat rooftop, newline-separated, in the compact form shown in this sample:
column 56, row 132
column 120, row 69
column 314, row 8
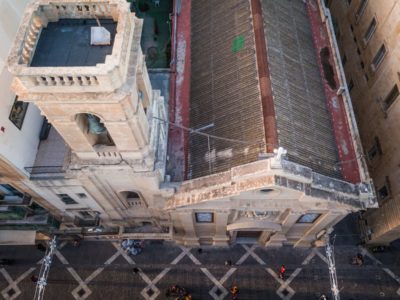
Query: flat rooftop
column 66, row 43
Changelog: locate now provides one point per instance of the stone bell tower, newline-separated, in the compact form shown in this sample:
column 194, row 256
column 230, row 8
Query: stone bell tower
column 98, row 97
column 80, row 62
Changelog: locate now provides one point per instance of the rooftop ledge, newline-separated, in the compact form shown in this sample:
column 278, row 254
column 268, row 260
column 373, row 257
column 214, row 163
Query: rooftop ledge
column 103, row 77
column 274, row 173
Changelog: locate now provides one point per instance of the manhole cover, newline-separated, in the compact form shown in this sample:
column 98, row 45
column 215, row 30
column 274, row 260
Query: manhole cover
column 81, row 292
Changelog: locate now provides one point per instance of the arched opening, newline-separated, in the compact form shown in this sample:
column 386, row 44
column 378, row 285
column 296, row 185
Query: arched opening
column 94, row 130
column 133, row 199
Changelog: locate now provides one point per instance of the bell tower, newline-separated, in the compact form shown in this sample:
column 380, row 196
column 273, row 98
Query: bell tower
column 97, row 95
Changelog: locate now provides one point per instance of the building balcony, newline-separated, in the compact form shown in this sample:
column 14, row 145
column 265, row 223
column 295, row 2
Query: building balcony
column 15, row 200
column 52, row 51
column 87, row 222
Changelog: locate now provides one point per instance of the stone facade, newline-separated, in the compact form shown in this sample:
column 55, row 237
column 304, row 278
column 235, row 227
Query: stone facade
column 367, row 33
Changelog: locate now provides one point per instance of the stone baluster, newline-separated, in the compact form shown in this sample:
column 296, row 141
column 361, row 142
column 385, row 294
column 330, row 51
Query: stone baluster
column 85, row 81
column 41, row 80
column 76, row 80
column 67, row 80
column 51, row 80
column 58, row 80
column 93, row 80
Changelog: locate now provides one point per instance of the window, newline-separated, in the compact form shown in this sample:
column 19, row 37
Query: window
column 370, row 31
column 351, row 28
column 81, row 195
column 378, row 57
column 308, row 218
column 375, row 150
column 362, row 65
column 361, row 9
column 204, row 217
column 350, row 85
column 384, row 191
column 358, row 51
column 391, row 97
column 85, row 214
column 18, row 111
column 344, row 60
column 66, row 199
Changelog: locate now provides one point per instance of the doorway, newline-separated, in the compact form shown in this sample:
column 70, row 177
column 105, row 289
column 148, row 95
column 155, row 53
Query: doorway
column 248, row 237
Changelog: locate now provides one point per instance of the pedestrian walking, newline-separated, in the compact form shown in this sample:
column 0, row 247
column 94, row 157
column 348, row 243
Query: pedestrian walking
column 282, row 271
column 228, row 263
column 234, row 291
column 34, row 278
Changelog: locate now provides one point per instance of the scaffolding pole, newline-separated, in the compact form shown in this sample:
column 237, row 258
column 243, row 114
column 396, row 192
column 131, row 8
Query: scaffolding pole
column 44, row 270
column 332, row 267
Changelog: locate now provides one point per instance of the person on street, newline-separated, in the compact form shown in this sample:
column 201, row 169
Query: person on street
column 234, row 291
column 282, row 272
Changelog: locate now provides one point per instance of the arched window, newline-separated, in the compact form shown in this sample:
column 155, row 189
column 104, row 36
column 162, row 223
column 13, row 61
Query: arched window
column 132, row 198
column 94, row 130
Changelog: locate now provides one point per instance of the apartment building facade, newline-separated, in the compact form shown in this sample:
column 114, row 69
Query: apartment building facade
column 367, row 34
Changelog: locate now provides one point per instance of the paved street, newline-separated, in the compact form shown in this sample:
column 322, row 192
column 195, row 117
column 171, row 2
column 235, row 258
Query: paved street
column 101, row 270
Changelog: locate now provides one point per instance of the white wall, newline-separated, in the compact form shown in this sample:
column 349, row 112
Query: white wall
column 17, row 146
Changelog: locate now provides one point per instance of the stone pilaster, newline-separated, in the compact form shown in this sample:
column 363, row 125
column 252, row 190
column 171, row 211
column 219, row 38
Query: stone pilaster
column 220, row 238
column 190, row 238
column 279, row 238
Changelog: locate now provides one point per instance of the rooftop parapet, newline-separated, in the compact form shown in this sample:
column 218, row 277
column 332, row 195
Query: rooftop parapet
column 102, row 77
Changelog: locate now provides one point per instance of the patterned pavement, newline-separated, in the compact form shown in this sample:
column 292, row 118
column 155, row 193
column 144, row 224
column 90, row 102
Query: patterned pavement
column 102, row 270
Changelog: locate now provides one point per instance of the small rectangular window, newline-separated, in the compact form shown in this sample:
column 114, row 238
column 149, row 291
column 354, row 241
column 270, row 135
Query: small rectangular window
column 384, row 191
column 66, row 199
column 85, row 214
column 308, row 218
column 81, row 195
column 375, row 150
column 361, row 9
column 378, row 57
column 350, row 85
column 391, row 97
column 370, row 31
column 204, row 217
column 344, row 60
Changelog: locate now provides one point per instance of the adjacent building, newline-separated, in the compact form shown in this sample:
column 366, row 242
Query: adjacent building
column 20, row 206
column 262, row 144
column 367, row 34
